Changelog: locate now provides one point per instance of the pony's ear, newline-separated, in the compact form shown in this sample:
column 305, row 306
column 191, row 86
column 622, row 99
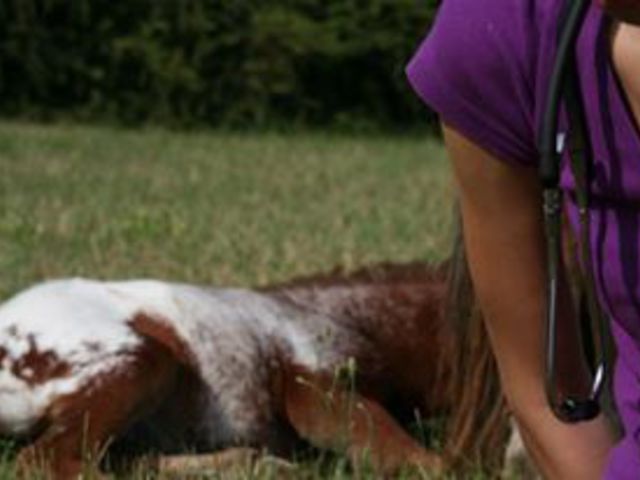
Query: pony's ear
column 157, row 330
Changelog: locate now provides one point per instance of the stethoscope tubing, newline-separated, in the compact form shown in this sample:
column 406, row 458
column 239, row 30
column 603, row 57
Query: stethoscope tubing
column 569, row 409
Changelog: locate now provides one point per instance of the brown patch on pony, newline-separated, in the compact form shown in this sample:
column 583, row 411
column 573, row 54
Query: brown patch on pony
column 79, row 426
column 330, row 415
column 36, row 367
column 164, row 333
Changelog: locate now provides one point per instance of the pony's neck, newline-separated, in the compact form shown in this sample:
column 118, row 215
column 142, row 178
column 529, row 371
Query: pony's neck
column 396, row 314
column 385, row 292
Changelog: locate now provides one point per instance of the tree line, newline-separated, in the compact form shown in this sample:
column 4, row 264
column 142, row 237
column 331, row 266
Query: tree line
column 238, row 63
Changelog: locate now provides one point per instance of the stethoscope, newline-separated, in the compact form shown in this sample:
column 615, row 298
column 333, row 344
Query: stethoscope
column 564, row 88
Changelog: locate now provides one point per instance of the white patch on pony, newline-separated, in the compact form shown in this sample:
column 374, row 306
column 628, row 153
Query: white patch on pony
column 61, row 316
column 232, row 334
column 60, row 319
column 22, row 405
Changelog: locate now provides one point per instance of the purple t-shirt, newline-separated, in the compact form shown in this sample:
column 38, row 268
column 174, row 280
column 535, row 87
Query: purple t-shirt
column 485, row 68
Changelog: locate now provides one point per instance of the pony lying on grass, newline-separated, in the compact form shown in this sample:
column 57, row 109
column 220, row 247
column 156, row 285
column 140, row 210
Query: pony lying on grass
column 154, row 367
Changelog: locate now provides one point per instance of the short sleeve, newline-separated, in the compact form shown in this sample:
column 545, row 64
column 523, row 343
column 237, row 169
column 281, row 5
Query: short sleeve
column 476, row 70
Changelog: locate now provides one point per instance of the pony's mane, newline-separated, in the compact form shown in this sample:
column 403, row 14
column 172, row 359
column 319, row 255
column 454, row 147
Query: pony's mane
column 380, row 273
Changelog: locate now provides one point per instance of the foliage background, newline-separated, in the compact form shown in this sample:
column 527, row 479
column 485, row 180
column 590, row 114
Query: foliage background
column 237, row 63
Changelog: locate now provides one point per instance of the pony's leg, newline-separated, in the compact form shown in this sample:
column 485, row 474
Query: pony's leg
column 222, row 460
column 330, row 416
column 80, row 425
column 236, row 460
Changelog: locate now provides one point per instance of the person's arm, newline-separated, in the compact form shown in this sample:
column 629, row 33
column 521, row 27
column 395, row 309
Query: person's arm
column 501, row 213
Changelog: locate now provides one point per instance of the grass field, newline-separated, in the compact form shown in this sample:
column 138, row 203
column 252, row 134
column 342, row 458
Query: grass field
column 213, row 208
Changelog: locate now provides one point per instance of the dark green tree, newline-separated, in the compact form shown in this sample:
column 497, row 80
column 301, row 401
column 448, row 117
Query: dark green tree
column 211, row 62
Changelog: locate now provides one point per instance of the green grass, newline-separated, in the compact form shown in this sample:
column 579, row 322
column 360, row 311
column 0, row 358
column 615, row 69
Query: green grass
column 213, row 208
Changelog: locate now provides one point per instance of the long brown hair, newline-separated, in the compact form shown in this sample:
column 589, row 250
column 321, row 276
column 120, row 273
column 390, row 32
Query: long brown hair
column 478, row 426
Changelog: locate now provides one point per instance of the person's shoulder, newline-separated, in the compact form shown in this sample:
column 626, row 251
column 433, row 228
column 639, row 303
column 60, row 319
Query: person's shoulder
column 478, row 68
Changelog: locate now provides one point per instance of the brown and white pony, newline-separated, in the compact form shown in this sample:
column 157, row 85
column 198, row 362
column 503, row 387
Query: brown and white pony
column 148, row 366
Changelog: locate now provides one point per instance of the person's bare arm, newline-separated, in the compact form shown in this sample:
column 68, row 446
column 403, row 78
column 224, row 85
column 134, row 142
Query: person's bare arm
column 501, row 210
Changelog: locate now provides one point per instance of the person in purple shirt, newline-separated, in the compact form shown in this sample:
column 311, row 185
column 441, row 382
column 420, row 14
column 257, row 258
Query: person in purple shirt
column 485, row 68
